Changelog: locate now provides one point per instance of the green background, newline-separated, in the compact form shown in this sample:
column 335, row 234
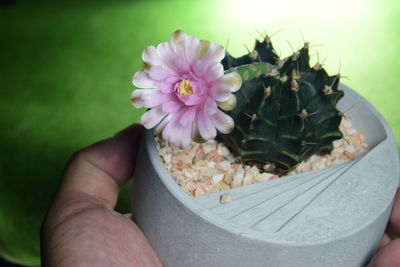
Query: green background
column 66, row 69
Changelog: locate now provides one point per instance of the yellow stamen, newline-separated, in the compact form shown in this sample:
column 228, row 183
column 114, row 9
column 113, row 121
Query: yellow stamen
column 184, row 88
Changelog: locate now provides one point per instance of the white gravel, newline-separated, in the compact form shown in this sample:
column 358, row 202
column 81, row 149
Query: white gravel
column 210, row 167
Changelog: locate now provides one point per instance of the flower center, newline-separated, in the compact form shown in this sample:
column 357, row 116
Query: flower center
column 184, row 88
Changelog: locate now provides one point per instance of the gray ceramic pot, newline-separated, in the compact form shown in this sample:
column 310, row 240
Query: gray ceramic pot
column 331, row 217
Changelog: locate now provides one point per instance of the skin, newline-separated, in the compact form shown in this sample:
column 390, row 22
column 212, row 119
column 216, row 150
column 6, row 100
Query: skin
column 388, row 254
column 81, row 227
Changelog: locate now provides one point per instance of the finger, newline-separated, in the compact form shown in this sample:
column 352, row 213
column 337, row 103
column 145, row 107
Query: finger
column 128, row 215
column 384, row 241
column 393, row 228
column 388, row 256
column 98, row 170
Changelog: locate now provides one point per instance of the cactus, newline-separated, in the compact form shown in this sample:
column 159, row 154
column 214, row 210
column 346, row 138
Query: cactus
column 286, row 110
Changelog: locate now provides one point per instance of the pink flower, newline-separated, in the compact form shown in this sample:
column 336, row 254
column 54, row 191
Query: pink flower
column 185, row 83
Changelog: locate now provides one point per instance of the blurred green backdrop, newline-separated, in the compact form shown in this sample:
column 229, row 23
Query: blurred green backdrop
column 66, row 68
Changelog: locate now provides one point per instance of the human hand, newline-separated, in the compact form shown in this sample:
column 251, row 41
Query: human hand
column 388, row 254
column 81, row 228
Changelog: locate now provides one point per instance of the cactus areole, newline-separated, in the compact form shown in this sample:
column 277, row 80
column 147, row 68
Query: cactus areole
column 286, row 110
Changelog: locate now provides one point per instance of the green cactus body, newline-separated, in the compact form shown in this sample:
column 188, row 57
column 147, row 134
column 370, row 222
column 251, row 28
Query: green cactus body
column 286, row 110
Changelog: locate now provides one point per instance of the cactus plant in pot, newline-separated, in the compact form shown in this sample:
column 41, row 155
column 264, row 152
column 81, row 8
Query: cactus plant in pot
column 267, row 111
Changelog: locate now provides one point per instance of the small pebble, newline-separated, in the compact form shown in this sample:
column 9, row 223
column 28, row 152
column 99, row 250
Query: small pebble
column 208, row 147
column 349, row 155
column 225, row 198
column 238, row 177
column 269, row 167
column 223, row 165
column 198, row 192
column 217, row 178
column 265, row 176
column 167, row 158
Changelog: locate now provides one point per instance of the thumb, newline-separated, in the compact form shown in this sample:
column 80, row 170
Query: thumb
column 389, row 253
column 387, row 256
column 94, row 175
column 100, row 169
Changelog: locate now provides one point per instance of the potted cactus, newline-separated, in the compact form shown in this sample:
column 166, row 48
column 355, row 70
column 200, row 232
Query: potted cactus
column 267, row 111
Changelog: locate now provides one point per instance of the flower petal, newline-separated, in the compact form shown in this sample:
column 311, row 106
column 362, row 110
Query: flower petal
column 197, row 70
column 176, row 133
column 185, row 137
column 210, row 107
column 160, row 127
column 229, row 104
column 142, row 79
column 214, row 72
column 150, row 56
column 192, row 100
column 171, row 106
column 223, row 122
column 203, row 48
column 191, row 49
column 171, row 59
column 170, row 127
column 188, row 116
column 159, row 73
column 206, row 126
column 178, row 39
column 152, row 98
column 167, row 85
column 196, row 136
column 233, row 80
column 182, row 137
column 153, row 117
column 220, row 92
column 136, row 97
column 215, row 53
